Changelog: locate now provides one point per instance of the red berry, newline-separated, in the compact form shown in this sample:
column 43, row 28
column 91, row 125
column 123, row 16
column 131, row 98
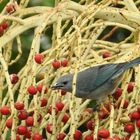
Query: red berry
column 89, row 110
column 107, row 107
column 129, row 128
column 49, row 128
column 59, row 105
column 39, row 58
column 98, row 138
column 17, row 137
column 21, row 130
column 40, row 87
column 138, row 123
column 103, row 133
column 37, row 136
column 109, row 139
column 50, row 110
column 1, row 30
column 65, row 118
column 127, row 137
column 130, row 87
column 10, row 8
column 5, row 110
column 56, row 64
column 28, row 134
column 90, row 125
column 23, row 114
column 77, row 135
column 106, row 54
column 135, row 115
column 29, row 121
column 64, row 63
column 46, row 90
column 19, row 105
column 61, row 136
column 89, row 137
column 116, row 138
column 32, row 90
column 14, row 78
column 5, row 25
column 9, row 123
column 125, row 105
column 63, row 92
column 43, row 102
column 117, row 93
column 103, row 114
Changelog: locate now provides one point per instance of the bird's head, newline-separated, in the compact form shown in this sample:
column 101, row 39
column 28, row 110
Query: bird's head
column 64, row 82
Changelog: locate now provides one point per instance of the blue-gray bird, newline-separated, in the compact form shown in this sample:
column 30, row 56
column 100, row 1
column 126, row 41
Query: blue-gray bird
column 96, row 82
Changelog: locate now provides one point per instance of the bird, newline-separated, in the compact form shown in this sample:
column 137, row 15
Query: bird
column 96, row 82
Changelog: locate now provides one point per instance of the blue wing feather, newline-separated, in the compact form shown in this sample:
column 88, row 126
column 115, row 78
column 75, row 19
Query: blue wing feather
column 96, row 76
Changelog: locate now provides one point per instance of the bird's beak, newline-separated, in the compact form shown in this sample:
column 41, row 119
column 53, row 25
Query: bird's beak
column 57, row 86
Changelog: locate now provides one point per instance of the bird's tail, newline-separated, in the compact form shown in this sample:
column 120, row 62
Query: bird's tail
column 132, row 63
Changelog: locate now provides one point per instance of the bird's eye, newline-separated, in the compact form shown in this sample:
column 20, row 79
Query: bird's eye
column 65, row 82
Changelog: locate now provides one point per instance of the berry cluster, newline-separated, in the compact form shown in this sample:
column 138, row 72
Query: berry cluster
column 10, row 8
column 57, row 64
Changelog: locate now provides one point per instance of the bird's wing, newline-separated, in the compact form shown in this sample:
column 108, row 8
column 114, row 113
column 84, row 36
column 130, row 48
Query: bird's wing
column 96, row 76
column 107, row 72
